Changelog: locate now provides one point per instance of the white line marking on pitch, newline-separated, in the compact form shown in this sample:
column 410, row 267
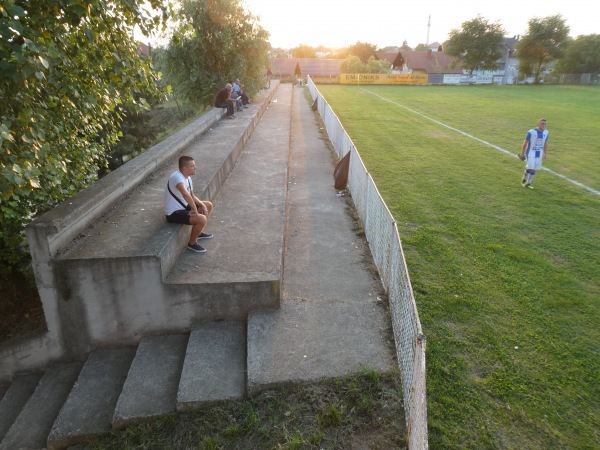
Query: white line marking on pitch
column 576, row 183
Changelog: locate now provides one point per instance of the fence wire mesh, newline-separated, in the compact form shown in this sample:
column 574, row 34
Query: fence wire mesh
column 386, row 247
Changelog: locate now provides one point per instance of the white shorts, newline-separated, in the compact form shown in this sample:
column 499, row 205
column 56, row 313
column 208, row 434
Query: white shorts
column 534, row 159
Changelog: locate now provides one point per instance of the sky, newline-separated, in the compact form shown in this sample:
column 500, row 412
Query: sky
column 337, row 23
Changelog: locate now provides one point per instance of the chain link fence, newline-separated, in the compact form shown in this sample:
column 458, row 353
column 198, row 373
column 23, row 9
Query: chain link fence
column 384, row 241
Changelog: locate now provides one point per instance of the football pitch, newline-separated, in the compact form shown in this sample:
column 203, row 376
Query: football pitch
column 506, row 279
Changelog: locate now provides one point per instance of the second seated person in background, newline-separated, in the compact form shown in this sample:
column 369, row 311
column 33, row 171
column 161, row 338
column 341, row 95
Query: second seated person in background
column 235, row 94
column 243, row 96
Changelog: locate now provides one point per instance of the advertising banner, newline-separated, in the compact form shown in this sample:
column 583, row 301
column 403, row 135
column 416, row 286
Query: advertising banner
column 383, row 78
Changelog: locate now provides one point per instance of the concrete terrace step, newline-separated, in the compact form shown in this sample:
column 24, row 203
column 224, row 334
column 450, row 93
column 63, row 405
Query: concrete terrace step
column 33, row 424
column 215, row 365
column 88, row 409
column 15, row 398
column 248, row 221
column 151, row 386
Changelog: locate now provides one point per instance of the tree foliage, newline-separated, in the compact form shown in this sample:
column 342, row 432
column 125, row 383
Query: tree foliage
column 353, row 64
column 543, row 44
column 477, row 44
column 66, row 67
column 375, row 65
column 363, row 50
column 582, row 55
column 217, row 41
column 304, row 51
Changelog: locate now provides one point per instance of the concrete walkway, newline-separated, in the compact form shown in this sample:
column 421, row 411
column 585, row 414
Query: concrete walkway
column 331, row 321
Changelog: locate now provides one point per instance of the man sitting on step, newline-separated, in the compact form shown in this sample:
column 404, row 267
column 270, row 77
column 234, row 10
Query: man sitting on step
column 182, row 206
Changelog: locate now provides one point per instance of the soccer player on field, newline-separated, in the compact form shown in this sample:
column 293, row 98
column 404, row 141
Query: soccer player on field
column 534, row 149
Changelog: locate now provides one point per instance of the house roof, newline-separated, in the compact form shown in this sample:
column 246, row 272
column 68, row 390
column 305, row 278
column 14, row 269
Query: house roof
column 392, row 58
column 143, row 49
column 429, row 62
column 316, row 67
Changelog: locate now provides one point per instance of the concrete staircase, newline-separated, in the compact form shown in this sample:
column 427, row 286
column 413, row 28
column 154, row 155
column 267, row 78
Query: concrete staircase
column 115, row 386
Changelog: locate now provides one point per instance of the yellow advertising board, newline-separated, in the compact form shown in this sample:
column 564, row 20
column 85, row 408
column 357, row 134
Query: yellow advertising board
column 383, row 78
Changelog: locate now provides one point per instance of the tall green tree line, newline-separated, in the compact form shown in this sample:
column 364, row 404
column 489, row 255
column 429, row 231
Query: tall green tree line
column 66, row 68
column 216, row 41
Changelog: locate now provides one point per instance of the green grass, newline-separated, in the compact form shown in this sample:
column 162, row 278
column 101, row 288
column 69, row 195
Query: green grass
column 362, row 409
column 507, row 280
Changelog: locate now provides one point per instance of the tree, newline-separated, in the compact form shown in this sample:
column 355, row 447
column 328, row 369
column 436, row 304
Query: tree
column 363, row 50
column 477, row 44
column 375, row 65
column 543, row 44
column 304, row 51
column 421, row 47
column 217, row 41
column 340, row 53
column 66, row 69
column 352, row 64
column 582, row 55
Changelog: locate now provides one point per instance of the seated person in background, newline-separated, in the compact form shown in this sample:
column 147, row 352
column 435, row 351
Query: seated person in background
column 243, row 96
column 235, row 94
column 182, row 206
column 223, row 100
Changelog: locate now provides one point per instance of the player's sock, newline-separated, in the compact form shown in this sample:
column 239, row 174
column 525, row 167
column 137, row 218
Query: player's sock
column 530, row 178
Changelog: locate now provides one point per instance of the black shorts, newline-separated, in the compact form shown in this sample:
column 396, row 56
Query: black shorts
column 180, row 216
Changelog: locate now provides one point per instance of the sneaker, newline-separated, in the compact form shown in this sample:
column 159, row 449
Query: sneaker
column 205, row 236
column 196, row 248
column 528, row 185
column 523, row 183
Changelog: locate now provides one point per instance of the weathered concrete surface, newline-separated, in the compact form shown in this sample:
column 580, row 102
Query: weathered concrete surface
column 15, row 398
column 31, row 428
column 249, row 216
column 151, row 386
column 88, row 410
column 331, row 321
column 215, row 365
